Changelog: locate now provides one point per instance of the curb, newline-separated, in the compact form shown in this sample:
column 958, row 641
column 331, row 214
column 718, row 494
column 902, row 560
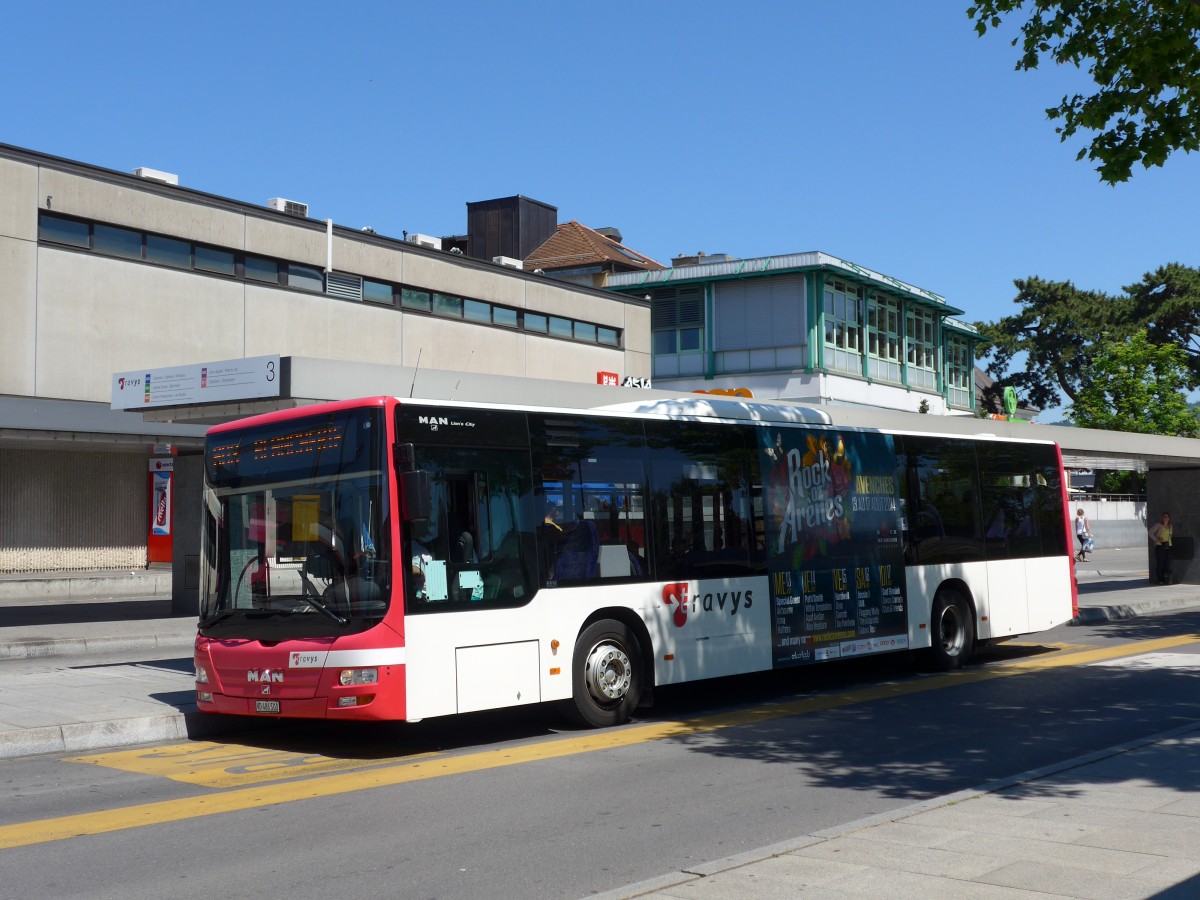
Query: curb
column 1097, row 615
column 79, row 737
column 86, row 586
column 761, row 854
column 45, row 648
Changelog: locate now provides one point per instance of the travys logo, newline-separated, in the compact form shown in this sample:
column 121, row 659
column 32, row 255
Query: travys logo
column 678, row 595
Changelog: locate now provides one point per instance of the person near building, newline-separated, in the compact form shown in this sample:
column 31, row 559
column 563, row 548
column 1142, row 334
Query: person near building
column 1161, row 533
column 1083, row 531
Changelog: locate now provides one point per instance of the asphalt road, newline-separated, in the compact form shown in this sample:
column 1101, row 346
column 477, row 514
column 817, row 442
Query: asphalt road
column 509, row 804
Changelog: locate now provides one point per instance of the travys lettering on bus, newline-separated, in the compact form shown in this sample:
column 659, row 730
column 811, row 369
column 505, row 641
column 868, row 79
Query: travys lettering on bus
column 835, row 553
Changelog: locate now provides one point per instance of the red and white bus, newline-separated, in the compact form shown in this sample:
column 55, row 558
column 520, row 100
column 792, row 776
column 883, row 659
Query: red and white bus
column 400, row 559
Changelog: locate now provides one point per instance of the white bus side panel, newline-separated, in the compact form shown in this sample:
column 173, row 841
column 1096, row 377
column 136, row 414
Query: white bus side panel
column 1011, row 597
column 725, row 630
column 1007, row 610
column 496, row 675
column 1049, row 592
column 709, row 628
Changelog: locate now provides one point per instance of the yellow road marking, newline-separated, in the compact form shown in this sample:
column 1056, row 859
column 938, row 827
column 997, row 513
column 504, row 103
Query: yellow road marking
column 214, row 765
column 45, row 830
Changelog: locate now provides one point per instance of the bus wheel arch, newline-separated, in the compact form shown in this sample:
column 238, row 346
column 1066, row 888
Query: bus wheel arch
column 952, row 628
column 610, row 669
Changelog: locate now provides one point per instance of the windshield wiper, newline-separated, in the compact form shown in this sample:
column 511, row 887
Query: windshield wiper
column 215, row 618
column 323, row 609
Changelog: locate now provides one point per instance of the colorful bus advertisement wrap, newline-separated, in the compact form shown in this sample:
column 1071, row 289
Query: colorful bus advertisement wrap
column 834, row 547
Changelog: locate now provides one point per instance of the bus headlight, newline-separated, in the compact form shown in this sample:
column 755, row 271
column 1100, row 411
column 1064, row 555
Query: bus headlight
column 201, row 674
column 348, row 677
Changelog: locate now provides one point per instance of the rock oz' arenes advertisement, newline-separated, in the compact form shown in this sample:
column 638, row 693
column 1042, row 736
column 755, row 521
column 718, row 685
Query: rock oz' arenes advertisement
column 833, row 543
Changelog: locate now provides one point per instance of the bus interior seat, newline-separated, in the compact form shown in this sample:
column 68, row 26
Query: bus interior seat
column 579, row 559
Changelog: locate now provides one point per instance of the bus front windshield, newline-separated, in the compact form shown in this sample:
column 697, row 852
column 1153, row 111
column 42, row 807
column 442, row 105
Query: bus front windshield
column 295, row 528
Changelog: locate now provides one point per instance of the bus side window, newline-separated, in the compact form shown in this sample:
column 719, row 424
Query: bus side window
column 592, row 474
column 941, row 500
column 478, row 537
column 705, row 523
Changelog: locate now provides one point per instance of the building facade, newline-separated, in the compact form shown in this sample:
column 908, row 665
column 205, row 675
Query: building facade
column 104, row 272
column 807, row 327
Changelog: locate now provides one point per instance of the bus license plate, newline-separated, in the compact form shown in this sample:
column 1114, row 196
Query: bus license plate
column 266, row 706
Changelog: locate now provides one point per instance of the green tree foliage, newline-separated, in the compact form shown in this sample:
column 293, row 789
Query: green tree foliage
column 1144, row 57
column 1121, row 482
column 1167, row 303
column 1057, row 330
column 1138, row 386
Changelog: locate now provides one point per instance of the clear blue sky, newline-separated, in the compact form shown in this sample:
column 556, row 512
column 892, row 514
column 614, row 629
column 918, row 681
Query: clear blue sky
column 883, row 132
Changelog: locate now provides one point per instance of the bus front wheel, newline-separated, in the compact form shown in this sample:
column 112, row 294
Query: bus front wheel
column 606, row 674
column 953, row 630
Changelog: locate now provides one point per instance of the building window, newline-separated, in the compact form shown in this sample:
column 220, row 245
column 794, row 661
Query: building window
column 560, row 327
column 502, row 315
column 536, row 322
column 884, row 337
column 921, row 348
column 64, row 231
column 377, row 292
column 410, row 299
column 305, row 278
column 117, row 241
column 168, row 251
column 677, row 320
column 210, row 259
column 447, row 305
column 960, row 370
column 477, row 311
column 843, row 327
column 259, row 269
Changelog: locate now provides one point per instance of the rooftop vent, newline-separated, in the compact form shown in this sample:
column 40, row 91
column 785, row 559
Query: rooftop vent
column 425, row 240
column 508, row 262
column 613, row 234
column 155, row 175
column 291, row 207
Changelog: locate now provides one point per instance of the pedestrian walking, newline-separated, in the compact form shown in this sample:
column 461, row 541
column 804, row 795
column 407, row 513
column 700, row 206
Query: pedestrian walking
column 1083, row 531
column 1162, row 533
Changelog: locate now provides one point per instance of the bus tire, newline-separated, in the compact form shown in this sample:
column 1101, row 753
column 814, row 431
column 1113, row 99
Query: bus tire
column 952, row 630
column 606, row 674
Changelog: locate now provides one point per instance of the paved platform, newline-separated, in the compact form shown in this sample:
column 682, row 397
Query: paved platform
column 1121, row 823
column 82, row 671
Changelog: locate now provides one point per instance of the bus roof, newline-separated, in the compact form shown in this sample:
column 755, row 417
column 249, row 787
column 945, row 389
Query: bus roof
column 687, row 407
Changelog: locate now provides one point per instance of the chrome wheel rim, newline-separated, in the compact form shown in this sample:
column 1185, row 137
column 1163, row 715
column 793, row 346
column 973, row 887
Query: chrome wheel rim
column 608, row 672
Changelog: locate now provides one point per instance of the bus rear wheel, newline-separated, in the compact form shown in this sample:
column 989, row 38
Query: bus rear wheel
column 606, row 679
column 953, row 630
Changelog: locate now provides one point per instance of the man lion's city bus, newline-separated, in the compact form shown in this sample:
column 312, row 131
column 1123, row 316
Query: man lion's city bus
column 387, row 559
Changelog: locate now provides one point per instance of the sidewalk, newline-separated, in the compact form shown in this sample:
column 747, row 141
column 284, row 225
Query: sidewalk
column 84, row 672
column 1120, row 823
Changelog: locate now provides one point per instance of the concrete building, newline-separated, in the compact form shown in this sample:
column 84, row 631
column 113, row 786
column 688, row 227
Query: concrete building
column 808, row 327
column 103, row 272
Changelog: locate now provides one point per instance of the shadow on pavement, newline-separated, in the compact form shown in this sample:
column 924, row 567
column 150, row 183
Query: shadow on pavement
column 1115, row 585
column 105, row 611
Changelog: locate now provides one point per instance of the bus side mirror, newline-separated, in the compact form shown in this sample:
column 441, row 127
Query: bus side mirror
column 418, row 495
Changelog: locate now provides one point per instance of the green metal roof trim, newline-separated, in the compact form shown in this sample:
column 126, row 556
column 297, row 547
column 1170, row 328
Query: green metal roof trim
column 777, row 265
column 964, row 327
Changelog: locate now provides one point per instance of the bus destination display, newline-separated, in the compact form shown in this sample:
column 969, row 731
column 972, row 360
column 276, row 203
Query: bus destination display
column 834, row 547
